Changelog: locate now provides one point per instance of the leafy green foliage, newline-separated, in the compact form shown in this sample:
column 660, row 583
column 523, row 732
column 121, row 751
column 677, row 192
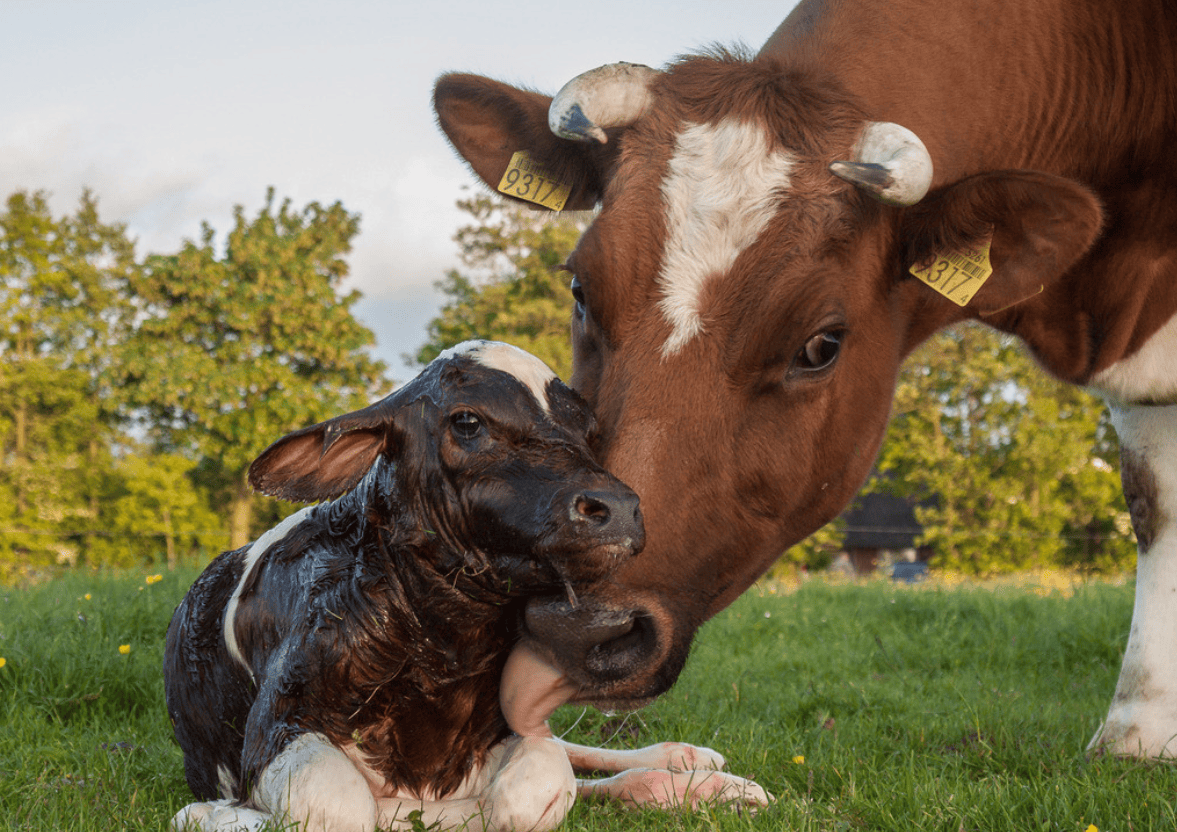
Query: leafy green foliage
column 208, row 356
column 1023, row 470
column 156, row 506
column 515, row 290
column 234, row 350
column 64, row 302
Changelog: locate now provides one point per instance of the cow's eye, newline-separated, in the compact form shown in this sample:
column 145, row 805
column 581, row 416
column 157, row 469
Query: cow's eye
column 577, row 295
column 819, row 352
column 466, row 425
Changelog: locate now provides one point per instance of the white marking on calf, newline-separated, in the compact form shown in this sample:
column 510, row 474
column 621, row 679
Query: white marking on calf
column 317, row 785
column 1150, row 374
column 252, row 556
column 1142, row 719
column 723, row 186
column 533, row 373
column 526, row 783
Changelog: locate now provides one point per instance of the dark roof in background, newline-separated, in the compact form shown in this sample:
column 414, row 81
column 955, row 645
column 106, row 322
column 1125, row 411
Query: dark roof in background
column 880, row 521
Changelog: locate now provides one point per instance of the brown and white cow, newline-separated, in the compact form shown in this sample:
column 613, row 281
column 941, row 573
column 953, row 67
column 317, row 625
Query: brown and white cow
column 744, row 298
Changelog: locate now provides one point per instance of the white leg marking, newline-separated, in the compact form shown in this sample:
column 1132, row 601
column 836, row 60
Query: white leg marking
column 677, row 789
column 1150, row 374
column 252, row 557
column 1142, row 720
column 724, row 184
column 527, row 786
column 218, row 816
column 315, row 784
column 669, row 774
column 672, row 756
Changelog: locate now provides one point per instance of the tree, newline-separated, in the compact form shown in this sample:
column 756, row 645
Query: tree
column 64, row 303
column 1022, row 469
column 233, row 351
column 516, row 291
column 153, row 505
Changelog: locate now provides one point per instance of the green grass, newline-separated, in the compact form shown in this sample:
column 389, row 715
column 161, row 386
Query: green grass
column 914, row 709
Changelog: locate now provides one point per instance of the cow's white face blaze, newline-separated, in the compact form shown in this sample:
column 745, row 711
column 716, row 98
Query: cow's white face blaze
column 723, row 185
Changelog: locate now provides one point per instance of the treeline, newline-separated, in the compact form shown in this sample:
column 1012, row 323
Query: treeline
column 134, row 391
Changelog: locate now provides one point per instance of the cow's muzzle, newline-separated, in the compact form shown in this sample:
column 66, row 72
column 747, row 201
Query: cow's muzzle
column 619, row 656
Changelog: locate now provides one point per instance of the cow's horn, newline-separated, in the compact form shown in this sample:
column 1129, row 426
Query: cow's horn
column 614, row 95
column 890, row 163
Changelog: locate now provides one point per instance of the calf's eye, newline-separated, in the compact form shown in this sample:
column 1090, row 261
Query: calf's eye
column 466, row 425
column 819, row 352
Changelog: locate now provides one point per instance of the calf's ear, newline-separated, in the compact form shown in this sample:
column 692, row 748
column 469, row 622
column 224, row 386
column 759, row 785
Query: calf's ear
column 1040, row 225
column 325, row 460
column 487, row 122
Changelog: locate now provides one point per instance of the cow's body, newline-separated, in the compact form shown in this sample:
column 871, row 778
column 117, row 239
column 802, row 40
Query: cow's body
column 743, row 310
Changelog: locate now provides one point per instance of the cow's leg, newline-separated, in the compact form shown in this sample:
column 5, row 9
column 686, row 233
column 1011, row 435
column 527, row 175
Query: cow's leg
column 1142, row 720
column 527, row 785
column 315, row 784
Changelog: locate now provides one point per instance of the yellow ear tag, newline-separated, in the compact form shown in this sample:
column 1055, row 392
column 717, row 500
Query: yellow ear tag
column 526, row 179
column 957, row 275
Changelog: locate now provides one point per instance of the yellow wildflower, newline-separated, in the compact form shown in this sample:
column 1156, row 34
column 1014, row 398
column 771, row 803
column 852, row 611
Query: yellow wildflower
column 154, row 579
column 87, row 596
column 3, row 661
column 799, row 760
column 1091, row 828
column 124, row 649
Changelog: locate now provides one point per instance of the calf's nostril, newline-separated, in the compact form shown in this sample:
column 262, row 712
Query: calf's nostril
column 592, row 508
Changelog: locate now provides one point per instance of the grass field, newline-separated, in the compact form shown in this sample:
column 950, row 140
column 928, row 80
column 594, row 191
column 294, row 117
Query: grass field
column 861, row 706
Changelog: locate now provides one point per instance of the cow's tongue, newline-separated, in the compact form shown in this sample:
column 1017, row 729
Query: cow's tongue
column 530, row 691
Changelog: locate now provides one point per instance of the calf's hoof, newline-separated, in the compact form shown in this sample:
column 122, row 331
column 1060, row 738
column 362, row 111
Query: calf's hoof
column 217, row 816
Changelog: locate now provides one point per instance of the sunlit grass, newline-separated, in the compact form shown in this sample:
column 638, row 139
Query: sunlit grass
column 944, row 706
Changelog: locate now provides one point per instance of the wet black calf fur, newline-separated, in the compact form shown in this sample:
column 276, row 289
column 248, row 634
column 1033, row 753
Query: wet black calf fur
column 382, row 619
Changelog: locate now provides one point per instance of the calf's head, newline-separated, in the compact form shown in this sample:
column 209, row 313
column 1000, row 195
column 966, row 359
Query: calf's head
column 743, row 303
column 482, row 460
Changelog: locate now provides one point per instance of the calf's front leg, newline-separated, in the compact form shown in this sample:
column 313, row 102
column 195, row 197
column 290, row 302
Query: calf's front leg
column 668, row 774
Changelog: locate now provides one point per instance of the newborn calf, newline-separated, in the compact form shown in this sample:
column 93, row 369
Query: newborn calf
column 344, row 669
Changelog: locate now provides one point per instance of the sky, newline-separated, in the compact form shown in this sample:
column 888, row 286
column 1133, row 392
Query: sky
column 172, row 113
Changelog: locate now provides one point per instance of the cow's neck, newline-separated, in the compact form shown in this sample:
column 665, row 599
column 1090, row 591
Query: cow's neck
column 1031, row 85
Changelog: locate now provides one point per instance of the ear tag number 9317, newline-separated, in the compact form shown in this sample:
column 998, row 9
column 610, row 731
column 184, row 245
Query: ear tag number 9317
column 524, row 179
column 957, row 275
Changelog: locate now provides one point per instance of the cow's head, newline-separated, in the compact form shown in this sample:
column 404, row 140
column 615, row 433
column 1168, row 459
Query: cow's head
column 482, row 463
column 743, row 304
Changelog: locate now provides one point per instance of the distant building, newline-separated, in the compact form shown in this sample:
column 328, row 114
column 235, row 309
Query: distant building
column 881, row 531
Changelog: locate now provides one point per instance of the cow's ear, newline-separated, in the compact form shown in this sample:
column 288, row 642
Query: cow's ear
column 1039, row 226
column 488, row 122
column 325, row 460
